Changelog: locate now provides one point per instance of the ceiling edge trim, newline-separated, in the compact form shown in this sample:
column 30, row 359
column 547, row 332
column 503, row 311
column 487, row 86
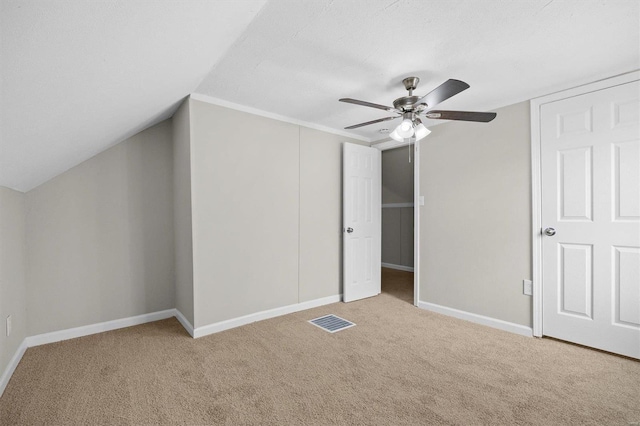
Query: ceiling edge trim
column 262, row 113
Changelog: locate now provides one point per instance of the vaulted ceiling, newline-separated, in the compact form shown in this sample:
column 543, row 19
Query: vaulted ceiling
column 79, row 76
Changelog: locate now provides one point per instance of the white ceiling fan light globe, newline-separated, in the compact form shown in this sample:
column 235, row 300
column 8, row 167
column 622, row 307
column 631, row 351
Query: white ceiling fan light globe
column 406, row 125
column 405, row 129
column 421, row 131
column 395, row 136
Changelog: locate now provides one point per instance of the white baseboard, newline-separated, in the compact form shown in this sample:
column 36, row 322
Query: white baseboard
column 8, row 372
column 398, row 267
column 259, row 316
column 72, row 333
column 184, row 321
column 478, row 319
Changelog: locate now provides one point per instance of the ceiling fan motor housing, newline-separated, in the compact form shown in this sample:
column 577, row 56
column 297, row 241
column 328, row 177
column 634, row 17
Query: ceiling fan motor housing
column 405, row 103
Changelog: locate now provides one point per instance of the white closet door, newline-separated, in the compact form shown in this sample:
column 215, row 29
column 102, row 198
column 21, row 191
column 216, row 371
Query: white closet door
column 590, row 153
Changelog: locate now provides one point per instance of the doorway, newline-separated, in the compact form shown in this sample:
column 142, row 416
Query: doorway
column 362, row 211
column 397, row 216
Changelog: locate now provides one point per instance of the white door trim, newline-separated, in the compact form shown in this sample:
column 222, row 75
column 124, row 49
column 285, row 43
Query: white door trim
column 536, row 182
column 391, row 144
column 416, row 224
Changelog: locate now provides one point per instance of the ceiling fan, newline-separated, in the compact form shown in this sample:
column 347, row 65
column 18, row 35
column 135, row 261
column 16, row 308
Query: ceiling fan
column 411, row 108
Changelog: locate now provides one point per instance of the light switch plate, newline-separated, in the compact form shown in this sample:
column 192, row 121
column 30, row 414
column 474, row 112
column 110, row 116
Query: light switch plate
column 422, row 200
column 527, row 287
column 9, row 326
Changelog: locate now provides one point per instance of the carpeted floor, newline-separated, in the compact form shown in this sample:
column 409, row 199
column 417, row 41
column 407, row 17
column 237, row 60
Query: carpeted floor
column 398, row 366
column 398, row 284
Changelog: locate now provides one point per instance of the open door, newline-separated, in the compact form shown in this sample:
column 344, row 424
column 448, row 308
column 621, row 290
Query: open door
column 361, row 221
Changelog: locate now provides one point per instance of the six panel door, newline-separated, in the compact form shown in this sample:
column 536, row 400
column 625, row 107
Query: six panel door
column 362, row 230
column 590, row 168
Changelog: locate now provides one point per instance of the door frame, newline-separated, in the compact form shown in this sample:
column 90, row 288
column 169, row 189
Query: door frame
column 536, row 180
column 391, row 144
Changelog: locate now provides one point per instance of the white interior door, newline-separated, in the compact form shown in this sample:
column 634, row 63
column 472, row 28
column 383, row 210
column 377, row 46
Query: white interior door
column 361, row 221
column 590, row 167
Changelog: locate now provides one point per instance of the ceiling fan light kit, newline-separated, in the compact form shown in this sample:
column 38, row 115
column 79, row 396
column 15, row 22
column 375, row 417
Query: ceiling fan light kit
column 395, row 136
column 416, row 130
column 421, row 131
column 405, row 129
column 410, row 107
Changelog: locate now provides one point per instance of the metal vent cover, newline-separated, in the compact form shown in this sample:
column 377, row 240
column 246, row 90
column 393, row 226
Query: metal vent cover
column 331, row 323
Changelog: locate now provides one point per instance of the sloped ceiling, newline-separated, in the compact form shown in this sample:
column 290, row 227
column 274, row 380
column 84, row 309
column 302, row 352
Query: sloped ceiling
column 79, row 76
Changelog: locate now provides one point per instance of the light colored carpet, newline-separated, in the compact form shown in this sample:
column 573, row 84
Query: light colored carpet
column 398, row 284
column 398, row 366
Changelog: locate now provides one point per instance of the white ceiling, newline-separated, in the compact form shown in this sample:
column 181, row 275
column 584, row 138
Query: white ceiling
column 508, row 51
column 79, row 76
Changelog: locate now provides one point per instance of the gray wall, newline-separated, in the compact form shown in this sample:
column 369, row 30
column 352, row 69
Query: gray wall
column 397, row 236
column 12, row 273
column 182, row 211
column 320, row 254
column 397, row 222
column 244, row 188
column 100, row 237
column 475, row 236
column 397, row 175
column 266, row 223
column 266, row 213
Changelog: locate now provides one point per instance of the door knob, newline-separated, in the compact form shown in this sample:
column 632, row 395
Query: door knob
column 550, row 232
column 349, row 230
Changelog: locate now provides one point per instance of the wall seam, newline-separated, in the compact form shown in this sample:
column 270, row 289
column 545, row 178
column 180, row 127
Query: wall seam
column 299, row 204
column 193, row 263
column 25, row 262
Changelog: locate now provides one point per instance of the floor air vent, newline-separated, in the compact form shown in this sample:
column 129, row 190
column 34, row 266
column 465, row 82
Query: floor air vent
column 331, row 323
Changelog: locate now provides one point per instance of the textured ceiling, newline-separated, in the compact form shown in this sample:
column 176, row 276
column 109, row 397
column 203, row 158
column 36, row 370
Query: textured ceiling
column 79, row 76
column 508, row 51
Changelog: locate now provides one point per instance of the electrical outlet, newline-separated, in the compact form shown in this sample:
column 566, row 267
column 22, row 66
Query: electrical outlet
column 9, row 326
column 527, row 287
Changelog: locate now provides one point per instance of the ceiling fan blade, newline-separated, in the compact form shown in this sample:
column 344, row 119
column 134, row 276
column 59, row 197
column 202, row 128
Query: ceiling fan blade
column 355, row 126
column 367, row 104
column 483, row 117
column 443, row 92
